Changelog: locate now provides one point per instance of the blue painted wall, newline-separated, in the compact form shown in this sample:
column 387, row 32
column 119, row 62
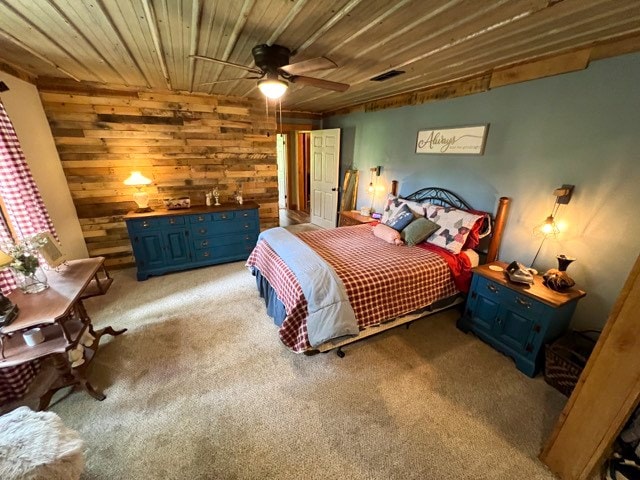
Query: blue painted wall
column 581, row 128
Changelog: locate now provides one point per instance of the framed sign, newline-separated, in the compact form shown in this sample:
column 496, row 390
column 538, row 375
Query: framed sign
column 50, row 251
column 453, row 141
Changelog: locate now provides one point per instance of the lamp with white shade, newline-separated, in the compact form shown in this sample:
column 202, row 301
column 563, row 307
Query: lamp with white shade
column 141, row 197
column 8, row 311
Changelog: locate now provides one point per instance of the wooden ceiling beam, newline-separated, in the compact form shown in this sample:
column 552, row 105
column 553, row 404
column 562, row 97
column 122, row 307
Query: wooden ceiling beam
column 18, row 72
column 152, row 22
column 569, row 62
column 196, row 14
column 516, row 73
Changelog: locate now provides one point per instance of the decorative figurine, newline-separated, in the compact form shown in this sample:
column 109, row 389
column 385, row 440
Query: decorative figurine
column 216, row 195
column 239, row 194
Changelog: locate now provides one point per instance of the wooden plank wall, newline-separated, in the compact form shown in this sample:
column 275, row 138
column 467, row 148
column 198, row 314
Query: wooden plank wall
column 186, row 144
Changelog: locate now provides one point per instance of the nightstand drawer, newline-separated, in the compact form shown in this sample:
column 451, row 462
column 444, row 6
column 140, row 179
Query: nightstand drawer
column 491, row 289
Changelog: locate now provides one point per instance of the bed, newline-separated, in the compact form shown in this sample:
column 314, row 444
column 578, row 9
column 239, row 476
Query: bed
column 368, row 284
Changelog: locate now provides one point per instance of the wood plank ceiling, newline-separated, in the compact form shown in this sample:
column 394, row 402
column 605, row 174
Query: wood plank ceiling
column 147, row 43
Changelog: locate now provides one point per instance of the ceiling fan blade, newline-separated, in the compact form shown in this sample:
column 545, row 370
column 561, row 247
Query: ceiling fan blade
column 320, row 83
column 229, row 64
column 311, row 65
column 230, row 80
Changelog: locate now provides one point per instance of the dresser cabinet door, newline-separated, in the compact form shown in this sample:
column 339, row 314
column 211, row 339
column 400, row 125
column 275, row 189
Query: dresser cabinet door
column 176, row 247
column 148, row 250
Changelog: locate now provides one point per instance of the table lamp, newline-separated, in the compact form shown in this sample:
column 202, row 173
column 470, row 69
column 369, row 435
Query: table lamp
column 8, row 311
column 136, row 179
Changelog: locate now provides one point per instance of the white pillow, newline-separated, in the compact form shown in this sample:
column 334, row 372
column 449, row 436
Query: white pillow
column 455, row 226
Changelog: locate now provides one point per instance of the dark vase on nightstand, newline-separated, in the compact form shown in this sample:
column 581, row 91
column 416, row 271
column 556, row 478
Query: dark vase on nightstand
column 558, row 279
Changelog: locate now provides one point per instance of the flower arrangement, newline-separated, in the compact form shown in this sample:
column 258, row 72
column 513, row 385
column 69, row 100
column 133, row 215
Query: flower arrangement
column 25, row 253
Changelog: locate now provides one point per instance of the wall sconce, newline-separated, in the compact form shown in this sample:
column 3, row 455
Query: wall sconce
column 372, row 186
column 373, row 170
column 549, row 228
column 136, row 179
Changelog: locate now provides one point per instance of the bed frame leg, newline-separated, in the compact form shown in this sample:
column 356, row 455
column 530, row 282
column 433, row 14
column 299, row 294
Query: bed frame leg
column 340, row 353
column 408, row 324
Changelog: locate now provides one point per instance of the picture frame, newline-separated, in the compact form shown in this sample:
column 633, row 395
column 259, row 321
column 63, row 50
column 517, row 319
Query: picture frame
column 51, row 252
column 464, row 140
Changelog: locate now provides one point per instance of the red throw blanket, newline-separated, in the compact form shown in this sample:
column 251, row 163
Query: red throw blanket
column 459, row 264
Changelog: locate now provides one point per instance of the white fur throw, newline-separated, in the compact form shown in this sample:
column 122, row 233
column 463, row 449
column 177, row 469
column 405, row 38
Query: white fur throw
column 36, row 445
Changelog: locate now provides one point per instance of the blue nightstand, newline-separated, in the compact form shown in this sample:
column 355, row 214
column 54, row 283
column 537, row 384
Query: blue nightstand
column 517, row 319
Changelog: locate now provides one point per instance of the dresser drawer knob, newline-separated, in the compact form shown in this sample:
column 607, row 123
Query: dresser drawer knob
column 172, row 221
column 492, row 288
column 205, row 254
column 203, row 231
column 224, row 217
column 246, row 237
column 522, row 302
column 145, row 224
column 246, row 225
column 204, row 243
column 200, row 218
column 246, row 215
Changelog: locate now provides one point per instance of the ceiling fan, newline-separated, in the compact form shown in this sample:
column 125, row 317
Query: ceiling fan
column 272, row 62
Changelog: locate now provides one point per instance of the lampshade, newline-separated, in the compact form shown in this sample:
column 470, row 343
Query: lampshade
column 5, row 260
column 272, row 87
column 548, row 229
column 136, row 179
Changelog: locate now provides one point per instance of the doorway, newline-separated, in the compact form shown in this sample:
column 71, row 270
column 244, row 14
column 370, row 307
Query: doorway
column 293, row 151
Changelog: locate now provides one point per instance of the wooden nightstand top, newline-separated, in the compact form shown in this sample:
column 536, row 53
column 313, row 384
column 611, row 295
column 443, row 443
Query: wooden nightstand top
column 537, row 291
column 355, row 216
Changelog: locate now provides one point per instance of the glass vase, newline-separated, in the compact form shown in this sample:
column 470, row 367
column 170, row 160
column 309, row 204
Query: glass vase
column 33, row 282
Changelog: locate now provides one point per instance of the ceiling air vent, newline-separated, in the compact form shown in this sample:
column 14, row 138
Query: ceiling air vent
column 387, row 75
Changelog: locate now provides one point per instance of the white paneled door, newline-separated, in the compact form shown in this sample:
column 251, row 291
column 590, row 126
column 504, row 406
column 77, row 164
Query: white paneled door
column 325, row 171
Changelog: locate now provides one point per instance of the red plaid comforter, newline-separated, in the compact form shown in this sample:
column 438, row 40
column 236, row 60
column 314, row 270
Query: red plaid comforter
column 382, row 281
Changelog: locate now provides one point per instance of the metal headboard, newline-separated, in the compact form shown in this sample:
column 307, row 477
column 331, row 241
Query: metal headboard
column 446, row 198
column 439, row 196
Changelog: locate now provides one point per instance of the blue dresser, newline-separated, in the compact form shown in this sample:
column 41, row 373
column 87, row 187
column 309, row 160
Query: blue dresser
column 171, row 240
column 516, row 319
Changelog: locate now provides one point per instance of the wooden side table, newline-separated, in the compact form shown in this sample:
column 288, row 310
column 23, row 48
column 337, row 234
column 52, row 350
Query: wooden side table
column 353, row 217
column 62, row 318
column 517, row 319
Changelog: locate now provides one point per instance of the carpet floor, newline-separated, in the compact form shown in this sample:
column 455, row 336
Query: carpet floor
column 200, row 387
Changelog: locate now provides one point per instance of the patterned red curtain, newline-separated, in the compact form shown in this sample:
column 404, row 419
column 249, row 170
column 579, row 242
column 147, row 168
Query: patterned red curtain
column 22, row 201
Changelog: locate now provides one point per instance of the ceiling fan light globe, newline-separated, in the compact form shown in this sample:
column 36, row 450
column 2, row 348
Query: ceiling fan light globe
column 272, row 88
